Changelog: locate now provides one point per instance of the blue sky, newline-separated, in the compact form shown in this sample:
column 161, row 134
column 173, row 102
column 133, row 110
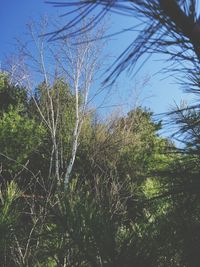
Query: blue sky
column 159, row 94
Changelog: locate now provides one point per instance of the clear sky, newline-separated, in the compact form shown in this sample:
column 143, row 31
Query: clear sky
column 158, row 94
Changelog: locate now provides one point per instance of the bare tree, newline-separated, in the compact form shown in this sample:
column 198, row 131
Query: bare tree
column 79, row 64
column 77, row 60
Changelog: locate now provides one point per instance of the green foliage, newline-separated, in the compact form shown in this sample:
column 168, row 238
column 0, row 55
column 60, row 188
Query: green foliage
column 10, row 95
column 8, row 216
column 19, row 136
column 59, row 97
column 7, row 197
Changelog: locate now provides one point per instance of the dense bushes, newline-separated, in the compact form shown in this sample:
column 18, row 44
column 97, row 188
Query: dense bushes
column 129, row 201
